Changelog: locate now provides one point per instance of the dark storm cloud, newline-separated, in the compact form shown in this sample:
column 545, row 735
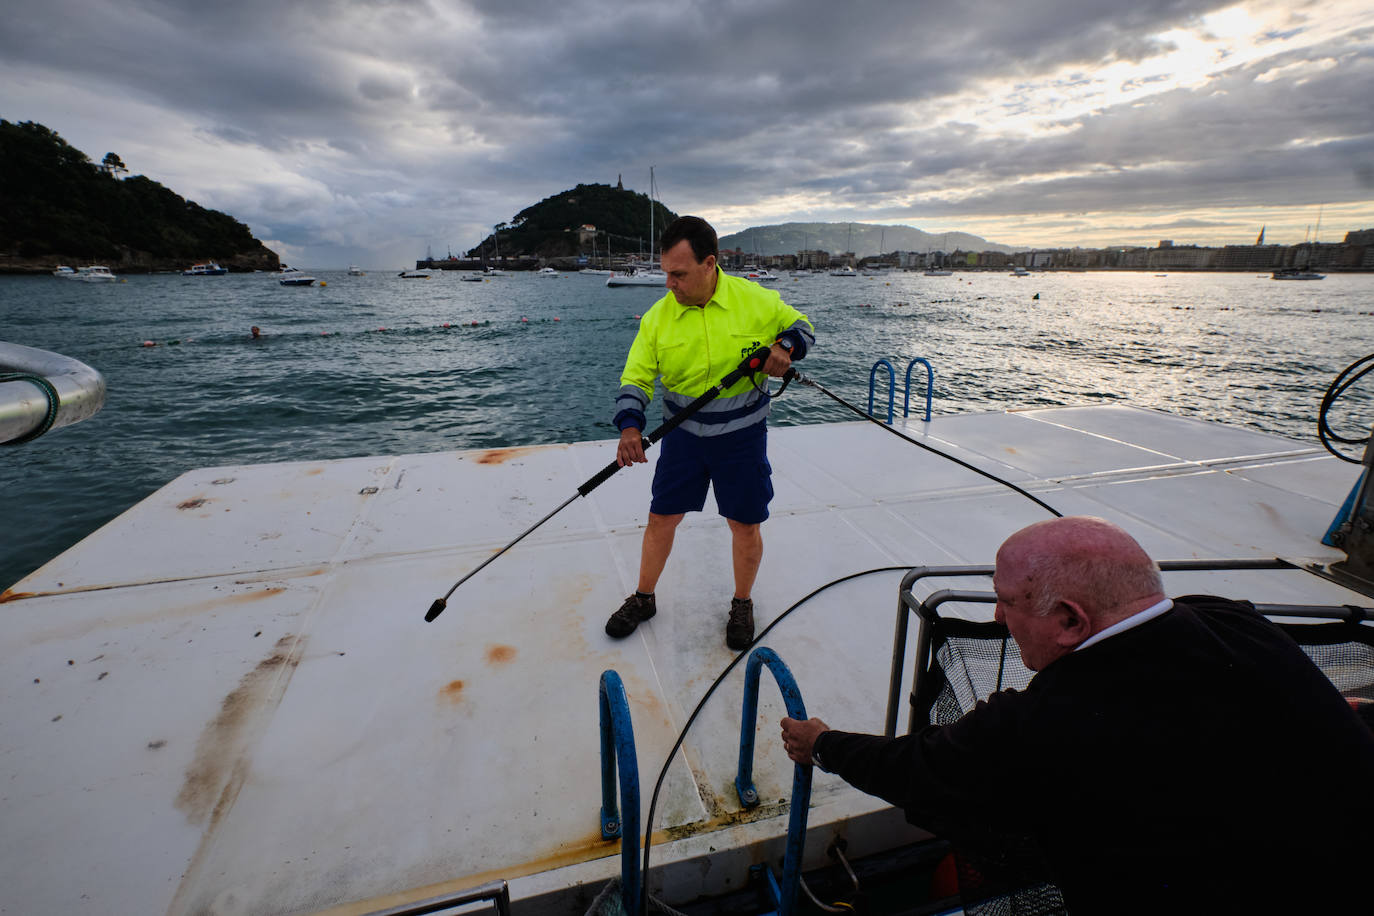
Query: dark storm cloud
column 438, row 119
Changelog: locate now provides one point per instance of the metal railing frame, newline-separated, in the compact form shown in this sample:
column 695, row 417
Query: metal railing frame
column 925, row 610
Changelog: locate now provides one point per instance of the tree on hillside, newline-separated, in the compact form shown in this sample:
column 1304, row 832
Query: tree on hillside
column 56, row 201
column 113, row 165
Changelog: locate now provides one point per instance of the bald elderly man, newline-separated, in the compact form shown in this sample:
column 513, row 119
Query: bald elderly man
column 1168, row 755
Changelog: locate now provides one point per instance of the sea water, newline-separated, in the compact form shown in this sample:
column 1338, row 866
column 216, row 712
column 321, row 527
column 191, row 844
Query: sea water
column 380, row 365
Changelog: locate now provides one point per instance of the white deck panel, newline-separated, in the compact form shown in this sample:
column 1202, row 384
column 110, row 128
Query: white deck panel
column 256, row 719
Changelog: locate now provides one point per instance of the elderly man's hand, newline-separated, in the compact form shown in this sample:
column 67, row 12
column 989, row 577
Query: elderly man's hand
column 799, row 737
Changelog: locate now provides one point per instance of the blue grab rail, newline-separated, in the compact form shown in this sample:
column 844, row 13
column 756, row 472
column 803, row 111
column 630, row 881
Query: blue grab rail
column 906, row 390
column 930, row 386
column 891, row 387
column 801, row 776
column 618, row 753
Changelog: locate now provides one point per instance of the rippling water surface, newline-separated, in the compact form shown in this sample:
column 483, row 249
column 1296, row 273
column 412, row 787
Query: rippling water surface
column 328, row 382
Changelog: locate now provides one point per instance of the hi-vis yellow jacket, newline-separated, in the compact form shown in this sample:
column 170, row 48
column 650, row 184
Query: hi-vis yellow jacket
column 693, row 347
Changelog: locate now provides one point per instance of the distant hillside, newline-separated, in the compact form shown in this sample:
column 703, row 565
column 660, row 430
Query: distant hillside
column 861, row 238
column 59, row 207
column 550, row 228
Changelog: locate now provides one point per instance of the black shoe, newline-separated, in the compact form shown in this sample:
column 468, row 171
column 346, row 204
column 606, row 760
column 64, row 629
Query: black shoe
column 636, row 609
column 739, row 632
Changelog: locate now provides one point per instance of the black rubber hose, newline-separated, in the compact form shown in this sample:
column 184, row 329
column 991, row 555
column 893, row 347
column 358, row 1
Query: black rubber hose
column 1347, row 377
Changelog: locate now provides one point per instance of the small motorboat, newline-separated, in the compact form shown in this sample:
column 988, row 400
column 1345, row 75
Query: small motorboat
column 93, row 274
column 414, row 274
column 207, row 269
column 637, row 277
column 293, row 276
column 1297, row 273
column 355, row 271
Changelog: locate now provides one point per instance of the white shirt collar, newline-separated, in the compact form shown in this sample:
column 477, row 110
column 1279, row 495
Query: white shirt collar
column 1135, row 620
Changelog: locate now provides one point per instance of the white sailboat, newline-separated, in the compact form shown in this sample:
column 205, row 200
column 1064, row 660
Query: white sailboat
column 1304, row 272
column 651, row 276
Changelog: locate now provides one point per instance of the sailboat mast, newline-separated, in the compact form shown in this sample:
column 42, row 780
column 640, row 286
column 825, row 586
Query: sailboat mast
column 651, row 217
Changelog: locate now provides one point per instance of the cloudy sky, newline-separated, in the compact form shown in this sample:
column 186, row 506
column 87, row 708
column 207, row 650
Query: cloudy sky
column 368, row 130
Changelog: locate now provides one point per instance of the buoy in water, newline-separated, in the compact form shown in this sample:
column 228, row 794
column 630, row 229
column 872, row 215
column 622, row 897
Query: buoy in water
column 149, row 343
column 322, row 283
column 636, row 318
column 557, row 319
column 524, row 321
column 474, row 324
column 446, row 324
column 1036, row 296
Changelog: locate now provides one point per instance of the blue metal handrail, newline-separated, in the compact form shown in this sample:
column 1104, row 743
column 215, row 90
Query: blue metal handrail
column 618, row 753
column 801, row 776
column 930, row 386
column 891, row 387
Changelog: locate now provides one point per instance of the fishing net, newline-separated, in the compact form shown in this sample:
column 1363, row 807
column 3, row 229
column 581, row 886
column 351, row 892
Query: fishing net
column 610, row 902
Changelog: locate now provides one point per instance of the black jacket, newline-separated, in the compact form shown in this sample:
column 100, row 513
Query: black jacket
column 1197, row 762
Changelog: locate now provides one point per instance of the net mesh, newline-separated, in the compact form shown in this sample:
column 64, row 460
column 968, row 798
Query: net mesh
column 1003, row 875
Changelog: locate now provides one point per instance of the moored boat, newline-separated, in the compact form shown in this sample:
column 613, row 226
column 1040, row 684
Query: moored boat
column 208, row 268
column 293, row 276
column 1297, row 273
column 355, row 271
column 96, row 273
column 637, row 277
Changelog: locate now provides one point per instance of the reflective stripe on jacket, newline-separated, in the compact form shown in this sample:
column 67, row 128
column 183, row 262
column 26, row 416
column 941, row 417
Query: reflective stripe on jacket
column 692, row 348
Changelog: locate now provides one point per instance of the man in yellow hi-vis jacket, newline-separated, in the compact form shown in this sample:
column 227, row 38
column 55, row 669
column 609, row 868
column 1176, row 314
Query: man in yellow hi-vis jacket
column 691, row 338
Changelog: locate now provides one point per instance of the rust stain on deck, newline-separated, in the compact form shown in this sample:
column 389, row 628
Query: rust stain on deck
column 452, row 692
column 500, row 655
column 11, row 595
column 192, row 503
column 583, row 849
column 245, row 597
column 217, row 772
column 502, row 455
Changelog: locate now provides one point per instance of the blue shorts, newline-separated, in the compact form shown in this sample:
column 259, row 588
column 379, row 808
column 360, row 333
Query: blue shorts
column 735, row 465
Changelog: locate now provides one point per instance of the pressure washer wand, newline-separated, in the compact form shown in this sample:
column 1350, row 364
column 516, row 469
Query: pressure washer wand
column 751, row 363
